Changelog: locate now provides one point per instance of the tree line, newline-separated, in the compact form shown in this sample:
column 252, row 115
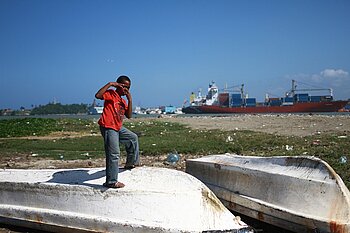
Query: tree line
column 57, row 108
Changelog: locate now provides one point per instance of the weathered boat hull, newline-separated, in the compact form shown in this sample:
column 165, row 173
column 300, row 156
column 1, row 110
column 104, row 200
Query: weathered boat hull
column 301, row 194
column 153, row 200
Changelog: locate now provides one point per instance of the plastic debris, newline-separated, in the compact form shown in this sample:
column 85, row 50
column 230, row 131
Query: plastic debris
column 289, row 148
column 229, row 139
column 173, row 158
column 343, row 159
column 316, row 142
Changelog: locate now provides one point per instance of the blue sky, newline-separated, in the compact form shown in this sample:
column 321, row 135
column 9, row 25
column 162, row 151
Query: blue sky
column 65, row 50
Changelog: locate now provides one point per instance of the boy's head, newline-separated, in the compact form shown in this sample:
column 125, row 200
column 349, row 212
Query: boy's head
column 125, row 82
column 123, row 78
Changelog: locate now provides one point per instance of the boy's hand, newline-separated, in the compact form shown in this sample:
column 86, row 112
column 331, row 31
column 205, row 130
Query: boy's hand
column 127, row 94
column 116, row 85
column 123, row 87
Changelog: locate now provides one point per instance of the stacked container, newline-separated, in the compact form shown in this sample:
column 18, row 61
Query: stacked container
column 224, row 99
column 275, row 101
column 315, row 98
column 288, row 99
column 301, row 98
column 236, row 100
column 250, row 102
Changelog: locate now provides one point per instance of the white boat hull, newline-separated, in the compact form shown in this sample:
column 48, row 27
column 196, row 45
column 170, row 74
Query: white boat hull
column 301, row 194
column 153, row 200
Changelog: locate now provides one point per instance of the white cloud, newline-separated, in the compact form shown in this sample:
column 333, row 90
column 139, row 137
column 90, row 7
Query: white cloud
column 316, row 78
column 333, row 73
column 327, row 75
column 334, row 77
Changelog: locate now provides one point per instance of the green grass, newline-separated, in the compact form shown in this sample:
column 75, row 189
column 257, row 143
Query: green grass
column 41, row 126
column 27, row 127
column 159, row 138
column 70, row 148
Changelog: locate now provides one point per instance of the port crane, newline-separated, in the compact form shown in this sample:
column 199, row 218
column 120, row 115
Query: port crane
column 294, row 89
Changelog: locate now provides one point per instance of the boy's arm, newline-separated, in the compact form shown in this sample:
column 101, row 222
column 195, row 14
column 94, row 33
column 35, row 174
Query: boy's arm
column 99, row 94
column 128, row 113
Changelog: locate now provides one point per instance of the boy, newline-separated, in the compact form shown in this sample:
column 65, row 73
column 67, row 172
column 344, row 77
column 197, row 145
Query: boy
column 113, row 131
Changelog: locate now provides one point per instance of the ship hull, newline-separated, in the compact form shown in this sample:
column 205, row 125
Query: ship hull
column 332, row 106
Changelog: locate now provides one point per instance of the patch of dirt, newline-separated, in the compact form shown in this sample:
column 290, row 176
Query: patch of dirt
column 283, row 124
column 28, row 162
column 58, row 135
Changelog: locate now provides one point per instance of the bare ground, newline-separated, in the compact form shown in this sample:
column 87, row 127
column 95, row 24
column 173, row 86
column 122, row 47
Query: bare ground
column 296, row 125
column 290, row 124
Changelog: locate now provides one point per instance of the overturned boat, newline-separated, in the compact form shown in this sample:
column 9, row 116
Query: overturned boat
column 74, row 200
column 301, row 194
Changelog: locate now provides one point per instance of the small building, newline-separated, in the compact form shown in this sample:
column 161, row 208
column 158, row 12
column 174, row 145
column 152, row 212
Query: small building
column 169, row 109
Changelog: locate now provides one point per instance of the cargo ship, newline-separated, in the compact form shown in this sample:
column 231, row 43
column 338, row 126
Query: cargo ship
column 294, row 101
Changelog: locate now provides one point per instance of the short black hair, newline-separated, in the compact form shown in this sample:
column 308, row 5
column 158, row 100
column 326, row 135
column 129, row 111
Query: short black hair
column 123, row 78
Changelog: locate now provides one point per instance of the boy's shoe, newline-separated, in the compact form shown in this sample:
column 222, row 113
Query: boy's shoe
column 115, row 185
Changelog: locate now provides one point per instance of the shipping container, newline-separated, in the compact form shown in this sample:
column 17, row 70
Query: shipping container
column 326, row 98
column 301, row 97
column 275, row 101
column 236, row 100
column 288, row 99
column 251, row 101
column 315, row 98
column 236, row 96
column 224, row 99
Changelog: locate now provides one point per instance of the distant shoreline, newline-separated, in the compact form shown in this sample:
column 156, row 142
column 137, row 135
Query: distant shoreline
column 90, row 116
